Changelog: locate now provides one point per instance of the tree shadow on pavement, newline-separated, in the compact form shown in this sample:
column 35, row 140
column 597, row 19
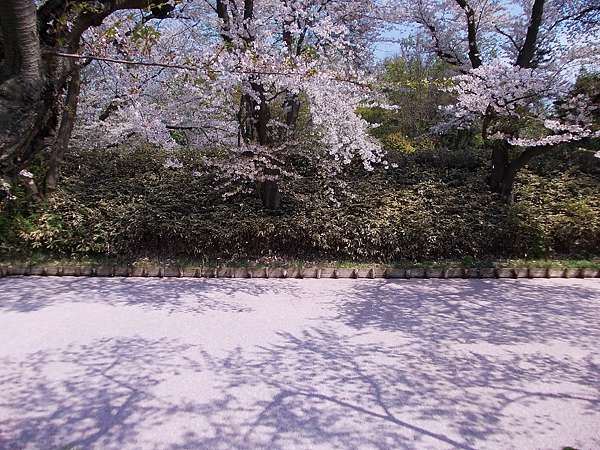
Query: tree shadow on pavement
column 472, row 364
column 477, row 310
column 24, row 294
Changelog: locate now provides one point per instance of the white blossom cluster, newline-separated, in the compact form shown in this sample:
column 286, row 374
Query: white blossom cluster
column 310, row 49
column 515, row 72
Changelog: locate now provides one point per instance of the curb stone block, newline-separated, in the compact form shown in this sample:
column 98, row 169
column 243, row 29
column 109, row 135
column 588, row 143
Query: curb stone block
column 257, row 273
column 327, row 272
column 415, row 273
column 295, row 272
column 521, row 272
column 556, row 273
column 188, row 272
column 86, row 271
column 55, row 271
column 76, row 270
column 192, row 272
column 310, row 272
column 104, row 271
column 137, row 272
column 343, row 273
column 239, row 272
column 226, row 272
column 152, row 271
column 573, row 273
column 276, row 272
column 471, row 272
column 504, row 273
column 434, row 273
column 121, row 271
column 205, row 272
column 17, row 270
column 487, row 272
column 379, row 272
column 71, row 271
column 395, row 273
column 538, row 273
column 454, row 272
column 360, row 273
column 590, row 273
column 38, row 271
column 210, row 272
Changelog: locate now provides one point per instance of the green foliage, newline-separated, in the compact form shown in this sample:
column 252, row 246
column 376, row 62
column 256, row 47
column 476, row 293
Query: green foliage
column 122, row 202
column 416, row 85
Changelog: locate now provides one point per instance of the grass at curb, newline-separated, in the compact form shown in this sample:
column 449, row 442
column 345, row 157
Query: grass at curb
column 466, row 263
column 303, row 269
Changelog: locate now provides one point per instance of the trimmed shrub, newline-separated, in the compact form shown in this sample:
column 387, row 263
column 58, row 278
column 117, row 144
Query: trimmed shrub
column 434, row 205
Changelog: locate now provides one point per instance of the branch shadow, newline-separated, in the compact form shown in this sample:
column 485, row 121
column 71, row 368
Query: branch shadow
column 476, row 310
column 26, row 294
column 384, row 365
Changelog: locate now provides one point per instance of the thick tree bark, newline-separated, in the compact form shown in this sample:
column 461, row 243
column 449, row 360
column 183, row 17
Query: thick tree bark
column 291, row 107
column 474, row 55
column 24, row 105
column 254, row 113
column 254, row 117
column 501, row 178
column 526, row 55
column 504, row 169
column 65, row 129
column 34, row 112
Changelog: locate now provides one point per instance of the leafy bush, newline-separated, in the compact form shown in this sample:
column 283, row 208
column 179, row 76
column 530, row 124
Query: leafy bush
column 434, row 205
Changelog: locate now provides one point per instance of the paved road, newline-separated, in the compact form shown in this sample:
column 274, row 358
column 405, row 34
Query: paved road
column 299, row 364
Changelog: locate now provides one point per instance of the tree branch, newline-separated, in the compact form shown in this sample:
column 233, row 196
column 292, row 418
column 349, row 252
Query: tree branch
column 188, row 68
column 474, row 55
column 527, row 52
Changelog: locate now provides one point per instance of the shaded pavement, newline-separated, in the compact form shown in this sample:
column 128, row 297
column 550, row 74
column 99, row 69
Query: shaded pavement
column 97, row 363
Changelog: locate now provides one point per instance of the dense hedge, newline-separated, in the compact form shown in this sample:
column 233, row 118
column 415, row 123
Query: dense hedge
column 434, row 205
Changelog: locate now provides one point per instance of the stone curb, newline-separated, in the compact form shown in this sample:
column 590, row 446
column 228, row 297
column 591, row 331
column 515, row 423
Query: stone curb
column 295, row 272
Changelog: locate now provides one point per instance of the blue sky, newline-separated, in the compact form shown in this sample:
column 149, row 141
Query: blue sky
column 384, row 48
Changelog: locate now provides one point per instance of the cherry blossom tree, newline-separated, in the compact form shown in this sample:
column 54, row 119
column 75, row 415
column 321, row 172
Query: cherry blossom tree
column 242, row 77
column 515, row 61
column 39, row 89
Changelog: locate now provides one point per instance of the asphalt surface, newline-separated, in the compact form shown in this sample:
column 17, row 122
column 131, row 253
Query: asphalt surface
column 93, row 363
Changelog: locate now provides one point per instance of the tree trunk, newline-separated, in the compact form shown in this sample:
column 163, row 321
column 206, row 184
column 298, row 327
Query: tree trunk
column 24, row 104
column 254, row 117
column 268, row 191
column 65, row 129
column 291, row 108
column 32, row 88
column 502, row 174
column 504, row 169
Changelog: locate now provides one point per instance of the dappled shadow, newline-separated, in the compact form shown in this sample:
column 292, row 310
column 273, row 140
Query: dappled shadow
column 469, row 311
column 351, row 391
column 372, row 364
column 83, row 395
column 26, row 294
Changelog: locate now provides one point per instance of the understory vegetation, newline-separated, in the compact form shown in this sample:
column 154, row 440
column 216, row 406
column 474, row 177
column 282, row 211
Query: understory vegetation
column 123, row 202
column 235, row 130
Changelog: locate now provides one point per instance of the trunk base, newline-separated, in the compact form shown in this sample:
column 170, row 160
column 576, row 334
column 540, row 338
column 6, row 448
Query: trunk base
column 268, row 192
